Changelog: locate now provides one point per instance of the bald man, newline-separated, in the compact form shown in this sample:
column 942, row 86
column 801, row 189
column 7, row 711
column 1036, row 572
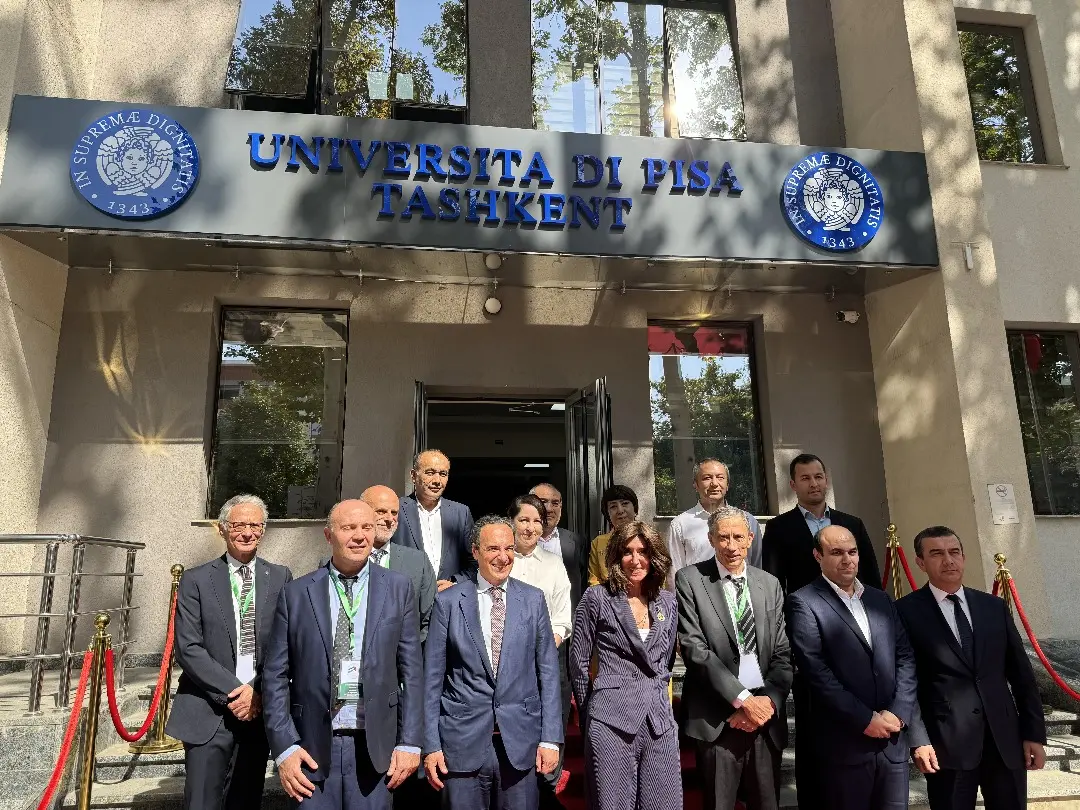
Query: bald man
column 409, row 561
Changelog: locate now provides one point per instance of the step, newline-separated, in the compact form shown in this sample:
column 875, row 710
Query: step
column 1061, row 722
column 161, row 793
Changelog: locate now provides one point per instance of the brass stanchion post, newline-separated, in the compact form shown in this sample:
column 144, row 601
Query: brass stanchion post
column 1003, row 578
column 157, row 741
column 894, row 555
column 86, row 776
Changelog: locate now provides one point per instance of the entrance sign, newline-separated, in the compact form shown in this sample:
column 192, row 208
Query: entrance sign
column 98, row 165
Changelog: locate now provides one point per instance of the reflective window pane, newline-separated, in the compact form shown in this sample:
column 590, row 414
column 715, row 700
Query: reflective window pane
column 703, row 405
column 271, row 54
column 632, row 69
column 1043, row 368
column 565, row 96
column 705, row 95
column 280, row 410
column 433, row 34
column 356, row 58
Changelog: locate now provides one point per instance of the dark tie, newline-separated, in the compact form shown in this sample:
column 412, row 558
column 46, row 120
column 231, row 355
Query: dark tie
column 498, row 620
column 377, row 555
column 247, row 617
column 744, row 618
column 342, row 635
column 963, row 627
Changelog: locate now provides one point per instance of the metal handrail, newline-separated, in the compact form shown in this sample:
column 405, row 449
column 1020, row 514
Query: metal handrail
column 45, row 614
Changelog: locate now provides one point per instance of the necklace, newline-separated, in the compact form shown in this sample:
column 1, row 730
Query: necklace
column 641, row 614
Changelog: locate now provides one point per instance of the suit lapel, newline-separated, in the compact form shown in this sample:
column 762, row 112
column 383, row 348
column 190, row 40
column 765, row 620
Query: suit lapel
column 514, row 624
column 660, row 619
column 263, row 608
column 881, row 627
column 625, row 616
column 936, row 619
column 842, row 610
column 411, row 516
column 449, row 559
column 978, row 619
column 470, row 610
column 219, row 582
column 318, row 591
column 714, row 587
column 757, row 602
column 376, row 600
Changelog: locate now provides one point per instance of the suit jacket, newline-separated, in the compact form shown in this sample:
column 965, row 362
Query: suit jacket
column 958, row 697
column 205, row 644
column 632, row 676
column 788, row 550
column 710, row 650
column 848, row 681
column 464, row 699
column 457, row 523
column 296, row 676
column 575, row 555
column 417, row 567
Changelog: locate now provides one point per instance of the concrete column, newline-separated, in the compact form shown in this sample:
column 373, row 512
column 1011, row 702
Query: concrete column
column 946, row 402
column 500, row 63
column 763, row 38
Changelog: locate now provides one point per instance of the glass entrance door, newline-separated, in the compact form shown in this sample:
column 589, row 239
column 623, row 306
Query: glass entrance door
column 588, row 458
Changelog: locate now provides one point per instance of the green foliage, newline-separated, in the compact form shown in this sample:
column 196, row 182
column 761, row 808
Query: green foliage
column 1002, row 128
column 447, row 41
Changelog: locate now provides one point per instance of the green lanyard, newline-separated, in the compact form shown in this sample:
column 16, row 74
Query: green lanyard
column 245, row 605
column 350, row 608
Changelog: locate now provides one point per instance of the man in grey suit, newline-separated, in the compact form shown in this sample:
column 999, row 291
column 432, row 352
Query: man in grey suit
column 224, row 614
column 738, row 668
column 435, row 525
column 408, row 561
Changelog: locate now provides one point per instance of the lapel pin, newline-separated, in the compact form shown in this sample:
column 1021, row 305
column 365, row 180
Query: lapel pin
column 659, row 615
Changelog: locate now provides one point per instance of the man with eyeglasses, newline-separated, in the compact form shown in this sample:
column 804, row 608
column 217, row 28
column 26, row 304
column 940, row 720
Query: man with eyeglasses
column 224, row 610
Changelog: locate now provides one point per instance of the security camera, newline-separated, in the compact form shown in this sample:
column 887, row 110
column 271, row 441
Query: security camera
column 492, row 306
column 847, row 316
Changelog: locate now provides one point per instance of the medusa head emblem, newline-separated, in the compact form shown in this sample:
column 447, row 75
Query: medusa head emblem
column 134, row 160
column 833, row 198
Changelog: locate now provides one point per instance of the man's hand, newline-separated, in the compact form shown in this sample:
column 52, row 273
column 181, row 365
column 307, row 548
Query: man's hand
column 240, row 701
column 926, row 758
column 546, row 759
column 294, row 782
column 742, row 721
column 759, row 709
column 1034, row 756
column 879, row 727
column 402, row 766
column 892, row 720
column 435, row 764
column 443, row 584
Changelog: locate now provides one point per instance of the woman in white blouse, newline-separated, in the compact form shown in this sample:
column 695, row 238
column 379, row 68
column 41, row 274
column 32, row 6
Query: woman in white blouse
column 537, row 567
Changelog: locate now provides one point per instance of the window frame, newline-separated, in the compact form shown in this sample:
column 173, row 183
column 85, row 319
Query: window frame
column 212, row 422
column 755, row 393
column 1027, row 87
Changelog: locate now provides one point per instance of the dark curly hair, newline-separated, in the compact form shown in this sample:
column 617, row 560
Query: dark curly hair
column 655, row 550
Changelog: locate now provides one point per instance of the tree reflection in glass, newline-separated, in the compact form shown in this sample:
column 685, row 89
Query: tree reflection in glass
column 272, row 52
column 632, row 69
column 705, row 95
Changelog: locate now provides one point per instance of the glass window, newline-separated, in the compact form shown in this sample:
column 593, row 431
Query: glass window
column 701, row 380
column 1002, row 98
column 369, row 58
column 635, row 68
column 1043, row 368
column 280, row 410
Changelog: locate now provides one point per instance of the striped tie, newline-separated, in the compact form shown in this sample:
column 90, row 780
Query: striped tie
column 744, row 618
column 498, row 619
column 377, row 555
column 247, row 617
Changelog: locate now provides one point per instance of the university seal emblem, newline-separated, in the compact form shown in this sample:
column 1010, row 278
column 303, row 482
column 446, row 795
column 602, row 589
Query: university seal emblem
column 135, row 164
column 833, row 202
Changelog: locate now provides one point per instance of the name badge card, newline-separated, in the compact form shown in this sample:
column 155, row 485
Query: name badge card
column 349, row 688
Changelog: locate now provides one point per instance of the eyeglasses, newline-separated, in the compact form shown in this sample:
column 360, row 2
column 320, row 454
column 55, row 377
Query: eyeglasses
column 243, row 527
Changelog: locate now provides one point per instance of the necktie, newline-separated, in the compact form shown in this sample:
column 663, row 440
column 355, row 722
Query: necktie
column 744, row 618
column 377, row 555
column 498, row 620
column 247, row 613
column 342, row 635
column 963, row 627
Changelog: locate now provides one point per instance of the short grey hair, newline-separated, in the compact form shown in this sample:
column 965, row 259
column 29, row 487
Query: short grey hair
column 728, row 513
column 704, row 461
column 545, row 484
column 416, row 458
column 483, row 523
column 238, row 500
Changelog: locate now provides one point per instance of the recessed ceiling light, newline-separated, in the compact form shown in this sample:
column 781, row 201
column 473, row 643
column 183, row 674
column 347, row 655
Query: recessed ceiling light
column 537, row 466
column 558, row 406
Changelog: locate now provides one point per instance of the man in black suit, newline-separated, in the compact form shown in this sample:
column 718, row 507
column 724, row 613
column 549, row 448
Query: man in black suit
column 851, row 648
column 981, row 722
column 788, row 554
column 224, row 614
column 433, row 524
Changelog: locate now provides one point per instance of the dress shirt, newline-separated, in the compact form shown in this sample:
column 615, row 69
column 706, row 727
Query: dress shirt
column 483, row 597
column 552, row 543
column 728, row 584
column 688, row 539
column 855, row 605
column 431, row 530
column 546, row 571
column 949, row 612
column 245, row 664
column 816, row 524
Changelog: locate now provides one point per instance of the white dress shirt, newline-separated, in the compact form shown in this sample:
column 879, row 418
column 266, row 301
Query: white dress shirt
column 727, row 582
column 552, row 543
column 688, row 540
column 855, row 605
column 949, row 612
column 546, row 571
column 245, row 664
column 431, row 530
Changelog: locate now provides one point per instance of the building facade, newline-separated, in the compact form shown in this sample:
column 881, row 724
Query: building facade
column 291, row 315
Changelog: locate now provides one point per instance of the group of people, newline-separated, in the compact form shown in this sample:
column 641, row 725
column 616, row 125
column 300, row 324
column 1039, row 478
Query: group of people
column 434, row 659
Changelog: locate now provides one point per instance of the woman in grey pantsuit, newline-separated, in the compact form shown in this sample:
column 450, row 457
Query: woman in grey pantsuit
column 629, row 623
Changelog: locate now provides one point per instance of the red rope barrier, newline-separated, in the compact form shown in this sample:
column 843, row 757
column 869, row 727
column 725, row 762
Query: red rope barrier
column 69, row 733
column 1035, row 644
column 159, row 688
column 996, row 590
column 907, row 568
column 888, row 569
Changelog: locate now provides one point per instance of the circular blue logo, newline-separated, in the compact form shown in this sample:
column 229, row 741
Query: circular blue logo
column 135, row 164
column 833, row 202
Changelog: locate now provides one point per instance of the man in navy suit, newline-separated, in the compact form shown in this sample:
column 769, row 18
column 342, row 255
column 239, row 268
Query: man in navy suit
column 852, row 649
column 343, row 675
column 433, row 524
column 492, row 710
column 981, row 724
